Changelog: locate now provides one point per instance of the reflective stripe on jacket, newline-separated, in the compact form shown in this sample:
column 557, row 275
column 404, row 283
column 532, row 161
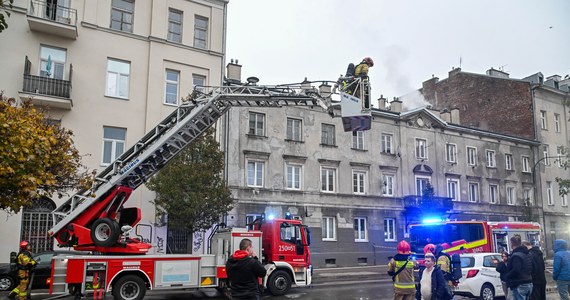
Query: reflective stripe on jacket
column 403, row 282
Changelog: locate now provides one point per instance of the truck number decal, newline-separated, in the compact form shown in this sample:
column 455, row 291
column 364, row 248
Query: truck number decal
column 286, row 248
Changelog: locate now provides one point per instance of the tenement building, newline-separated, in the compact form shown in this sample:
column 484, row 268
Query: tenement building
column 109, row 70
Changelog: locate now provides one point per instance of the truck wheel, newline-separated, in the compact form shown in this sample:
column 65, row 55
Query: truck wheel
column 279, row 283
column 105, row 232
column 130, row 287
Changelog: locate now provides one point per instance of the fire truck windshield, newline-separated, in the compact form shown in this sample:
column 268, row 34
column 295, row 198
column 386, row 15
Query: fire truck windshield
column 450, row 234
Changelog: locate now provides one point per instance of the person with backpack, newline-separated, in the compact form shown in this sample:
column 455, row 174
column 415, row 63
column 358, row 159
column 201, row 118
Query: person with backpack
column 401, row 268
column 561, row 268
column 25, row 264
column 519, row 269
column 432, row 284
column 538, row 272
column 444, row 263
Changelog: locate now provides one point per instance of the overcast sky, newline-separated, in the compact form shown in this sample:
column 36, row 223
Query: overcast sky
column 288, row 40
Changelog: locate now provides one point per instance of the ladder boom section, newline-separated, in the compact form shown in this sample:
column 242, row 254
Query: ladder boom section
column 190, row 120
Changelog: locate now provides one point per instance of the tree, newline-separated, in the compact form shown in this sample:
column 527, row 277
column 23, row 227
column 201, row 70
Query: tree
column 36, row 158
column 190, row 189
column 4, row 13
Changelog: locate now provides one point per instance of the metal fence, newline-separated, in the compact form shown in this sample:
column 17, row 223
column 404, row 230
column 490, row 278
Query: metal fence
column 51, row 11
column 36, row 221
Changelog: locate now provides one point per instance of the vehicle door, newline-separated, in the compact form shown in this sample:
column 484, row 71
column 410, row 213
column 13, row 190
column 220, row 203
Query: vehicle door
column 291, row 247
column 43, row 269
column 489, row 271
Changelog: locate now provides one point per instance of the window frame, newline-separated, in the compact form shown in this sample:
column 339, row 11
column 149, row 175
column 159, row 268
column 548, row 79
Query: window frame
column 491, row 158
column 294, row 129
column 168, row 82
column 170, row 33
column 359, row 184
column 290, row 176
column 197, row 29
column 543, row 120
column 418, row 179
column 471, row 156
column 358, row 232
column 256, row 164
column 549, row 193
column 119, row 76
column 508, row 161
column 258, row 119
column 473, row 191
column 387, row 143
column 198, row 78
column 557, row 123
column 55, row 61
column 329, row 171
column 390, row 230
column 457, row 193
column 421, row 148
column 546, row 159
column 123, row 12
column 525, row 161
column 494, row 193
column 358, row 140
column 451, row 152
column 388, row 185
column 327, row 225
column 510, row 194
column 328, row 138
column 114, row 142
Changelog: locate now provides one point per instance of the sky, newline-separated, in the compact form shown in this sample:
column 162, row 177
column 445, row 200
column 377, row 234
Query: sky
column 409, row 40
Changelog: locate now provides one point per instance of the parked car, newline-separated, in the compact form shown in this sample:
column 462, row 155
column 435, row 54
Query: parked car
column 480, row 278
column 9, row 280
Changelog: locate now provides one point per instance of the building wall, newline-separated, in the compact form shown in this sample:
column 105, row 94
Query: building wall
column 149, row 54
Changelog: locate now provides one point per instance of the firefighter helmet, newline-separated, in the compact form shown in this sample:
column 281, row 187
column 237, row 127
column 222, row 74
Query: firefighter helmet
column 368, row 61
column 404, row 248
column 429, row 248
column 23, row 245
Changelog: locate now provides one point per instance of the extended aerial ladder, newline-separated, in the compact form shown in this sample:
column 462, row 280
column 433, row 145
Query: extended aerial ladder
column 95, row 220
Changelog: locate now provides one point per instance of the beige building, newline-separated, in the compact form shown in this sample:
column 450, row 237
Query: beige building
column 109, row 70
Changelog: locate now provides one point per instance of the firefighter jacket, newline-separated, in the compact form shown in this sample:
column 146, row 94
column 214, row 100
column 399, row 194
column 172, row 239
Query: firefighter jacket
column 361, row 70
column 25, row 263
column 404, row 282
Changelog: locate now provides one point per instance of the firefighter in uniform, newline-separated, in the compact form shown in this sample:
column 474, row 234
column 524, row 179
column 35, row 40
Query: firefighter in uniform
column 361, row 71
column 401, row 268
column 26, row 264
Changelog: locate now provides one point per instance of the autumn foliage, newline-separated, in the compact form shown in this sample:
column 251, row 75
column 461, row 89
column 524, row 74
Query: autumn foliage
column 36, row 158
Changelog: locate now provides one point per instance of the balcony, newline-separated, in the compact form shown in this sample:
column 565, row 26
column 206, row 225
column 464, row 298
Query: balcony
column 46, row 91
column 53, row 19
column 435, row 205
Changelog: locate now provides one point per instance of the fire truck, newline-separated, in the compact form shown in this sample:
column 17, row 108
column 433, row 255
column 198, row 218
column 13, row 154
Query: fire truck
column 97, row 220
column 472, row 236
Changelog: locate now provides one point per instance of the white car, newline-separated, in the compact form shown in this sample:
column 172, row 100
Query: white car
column 480, row 278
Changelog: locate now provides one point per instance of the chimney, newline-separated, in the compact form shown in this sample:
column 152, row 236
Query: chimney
column 497, row 73
column 325, row 90
column 382, row 102
column 233, row 71
column 453, row 72
column 455, row 116
column 445, row 115
column 396, row 105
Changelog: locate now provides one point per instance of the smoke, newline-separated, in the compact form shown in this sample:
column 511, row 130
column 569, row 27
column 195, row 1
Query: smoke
column 413, row 100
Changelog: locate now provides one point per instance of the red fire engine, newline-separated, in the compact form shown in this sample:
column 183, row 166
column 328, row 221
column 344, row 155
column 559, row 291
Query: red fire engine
column 96, row 220
column 472, row 236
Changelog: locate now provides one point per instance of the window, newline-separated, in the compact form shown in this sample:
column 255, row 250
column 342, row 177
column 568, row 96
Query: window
column 118, row 73
column 256, row 124
column 559, row 156
column 491, row 162
column 293, row 176
column 525, row 164
column 359, row 182
column 421, row 152
column 360, row 232
column 358, row 140
column 52, row 62
column 294, row 129
column 388, row 185
column 328, row 179
column 527, row 196
column 471, row 156
column 122, row 15
column 557, row 122
column 255, row 173
column 549, row 194
column 545, row 155
column 171, row 87
column 564, row 200
column 174, row 25
column 453, row 189
column 510, row 195
column 451, row 152
column 249, row 218
column 386, row 140
column 493, row 193
column 508, row 161
column 328, row 135
column 198, row 82
column 473, row 192
column 200, row 32
column 543, row 119
column 421, row 184
column 113, row 143
column 329, row 229
column 389, row 229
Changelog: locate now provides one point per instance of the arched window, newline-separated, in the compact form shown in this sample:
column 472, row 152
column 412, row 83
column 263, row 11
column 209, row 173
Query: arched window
column 36, row 221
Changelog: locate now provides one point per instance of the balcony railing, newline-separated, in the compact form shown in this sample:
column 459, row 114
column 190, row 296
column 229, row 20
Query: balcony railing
column 45, row 90
column 435, row 203
column 51, row 18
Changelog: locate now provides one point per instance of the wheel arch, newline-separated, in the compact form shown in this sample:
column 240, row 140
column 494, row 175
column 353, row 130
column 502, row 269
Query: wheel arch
column 278, row 265
column 124, row 273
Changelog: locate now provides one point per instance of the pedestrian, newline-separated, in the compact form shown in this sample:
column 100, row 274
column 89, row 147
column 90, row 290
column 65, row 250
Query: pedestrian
column 519, row 267
column 538, row 271
column 502, row 268
column 443, row 261
column 244, row 271
column 432, row 284
column 26, row 264
column 401, row 268
column 561, row 268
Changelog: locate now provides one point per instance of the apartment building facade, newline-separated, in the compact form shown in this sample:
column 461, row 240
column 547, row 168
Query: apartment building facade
column 109, row 70
column 359, row 191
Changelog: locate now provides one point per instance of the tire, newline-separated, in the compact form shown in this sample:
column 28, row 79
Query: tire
column 487, row 292
column 7, row 283
column 279, row 283
column 130, row 287
column 105, row 232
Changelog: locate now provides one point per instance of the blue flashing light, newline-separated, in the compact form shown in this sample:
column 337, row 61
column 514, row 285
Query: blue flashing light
column 505, row 227
column 431, row 220
column 271, row 217
column 288, row 216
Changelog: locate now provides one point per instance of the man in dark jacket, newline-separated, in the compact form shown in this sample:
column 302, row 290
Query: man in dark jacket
column 538, row 272
column 519, row 268
column 244, row 270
